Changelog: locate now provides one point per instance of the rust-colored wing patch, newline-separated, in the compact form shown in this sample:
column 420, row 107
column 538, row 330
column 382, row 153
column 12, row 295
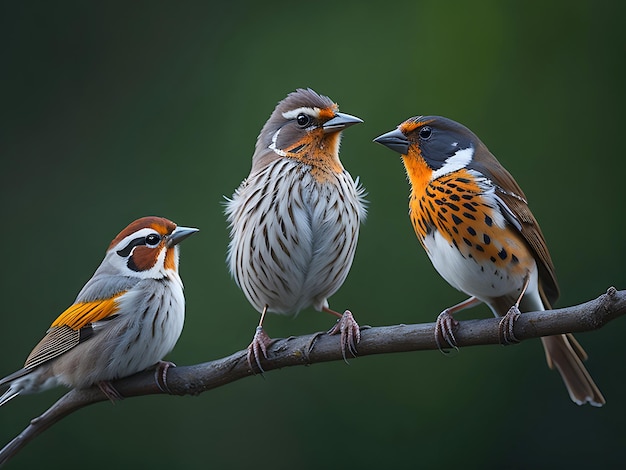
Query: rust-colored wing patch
column 82, row 313
column 71, row 328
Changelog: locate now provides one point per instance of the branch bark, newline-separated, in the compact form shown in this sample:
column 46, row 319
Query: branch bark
column 319, row 347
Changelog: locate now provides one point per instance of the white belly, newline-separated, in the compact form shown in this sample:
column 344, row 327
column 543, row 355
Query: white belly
column 484, row 281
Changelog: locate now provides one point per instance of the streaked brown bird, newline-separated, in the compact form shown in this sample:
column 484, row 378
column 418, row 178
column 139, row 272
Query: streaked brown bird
column 473, row 220
column 294, row 221
column 124, row 320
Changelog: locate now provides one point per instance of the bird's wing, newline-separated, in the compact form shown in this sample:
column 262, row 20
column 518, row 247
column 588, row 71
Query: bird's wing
column 83, row 313
column 515, row 201
column 71, row 328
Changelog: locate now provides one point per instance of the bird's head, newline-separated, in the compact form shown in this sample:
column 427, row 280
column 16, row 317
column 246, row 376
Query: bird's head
column 147, row 248
column 305, row 126
column 432, row 145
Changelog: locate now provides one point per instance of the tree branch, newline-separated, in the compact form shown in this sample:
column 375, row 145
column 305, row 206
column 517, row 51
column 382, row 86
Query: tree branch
column 319, row 347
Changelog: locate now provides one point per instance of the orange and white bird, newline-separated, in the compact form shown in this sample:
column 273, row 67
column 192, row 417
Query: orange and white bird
column 294, row 221
column 126, row 318
column 473, row 220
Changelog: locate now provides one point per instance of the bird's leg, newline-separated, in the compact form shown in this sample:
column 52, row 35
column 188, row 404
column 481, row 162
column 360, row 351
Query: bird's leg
column 160, row 375
column 260, row 342
column 349, row 330
column 445, row 324
column 507, row 322
column 109, row 391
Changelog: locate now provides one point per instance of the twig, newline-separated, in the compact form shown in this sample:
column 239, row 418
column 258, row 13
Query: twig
column 319, row 347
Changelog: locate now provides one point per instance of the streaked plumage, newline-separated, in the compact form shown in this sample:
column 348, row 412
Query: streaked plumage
column 126, row 318
column 475, row 224
column 295, row 219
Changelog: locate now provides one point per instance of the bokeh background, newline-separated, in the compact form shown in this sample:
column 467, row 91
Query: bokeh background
column 112, row 111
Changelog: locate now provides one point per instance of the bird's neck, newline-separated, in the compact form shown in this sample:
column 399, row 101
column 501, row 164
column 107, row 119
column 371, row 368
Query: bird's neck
column 322, row 156
column 418, row 171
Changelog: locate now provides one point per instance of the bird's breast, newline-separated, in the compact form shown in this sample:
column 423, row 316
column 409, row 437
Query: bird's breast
column 460, row 224
column 293, row 238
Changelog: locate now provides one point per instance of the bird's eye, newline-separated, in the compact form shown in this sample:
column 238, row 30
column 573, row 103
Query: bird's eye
column 303, row 120
column 425, row 133
column 153, row 239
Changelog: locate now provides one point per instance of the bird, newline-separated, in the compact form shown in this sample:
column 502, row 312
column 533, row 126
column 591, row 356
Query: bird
column 126, row 318
column 294, row 221
column 473, row 220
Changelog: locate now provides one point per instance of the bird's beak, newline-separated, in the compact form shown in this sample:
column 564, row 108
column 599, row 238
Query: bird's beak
column 340, row 122
column 179, row 234
column 395, row 140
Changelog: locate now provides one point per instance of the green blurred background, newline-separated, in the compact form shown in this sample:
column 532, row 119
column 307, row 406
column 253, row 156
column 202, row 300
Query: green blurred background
column 112, row 111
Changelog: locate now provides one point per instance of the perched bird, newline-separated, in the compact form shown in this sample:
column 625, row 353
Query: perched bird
column 473, row 220
column 126, row 318
column 294, row 221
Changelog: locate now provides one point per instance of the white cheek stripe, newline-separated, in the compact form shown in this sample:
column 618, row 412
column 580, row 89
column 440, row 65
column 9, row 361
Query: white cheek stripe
column 272, row 146
column 313, row 112
column 456, row 162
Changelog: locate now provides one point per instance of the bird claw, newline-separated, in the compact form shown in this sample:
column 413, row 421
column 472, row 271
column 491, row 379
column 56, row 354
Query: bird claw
column 109, row 391
column 444, row 331
column 258, row 346
column 350, row 333
column 507, row 324
column 311, row 345
column 160, row 375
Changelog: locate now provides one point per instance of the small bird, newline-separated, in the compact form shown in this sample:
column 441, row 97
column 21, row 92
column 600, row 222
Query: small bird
column 473, row 220
column 126, row 318
column 294, row 221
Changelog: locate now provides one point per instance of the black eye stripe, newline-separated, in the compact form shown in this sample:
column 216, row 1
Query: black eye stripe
column 125, row 252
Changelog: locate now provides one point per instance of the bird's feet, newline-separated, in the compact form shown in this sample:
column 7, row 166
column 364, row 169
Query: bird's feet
column 160, row 375
column 350, row 333
column 258, row 347
column 444, row 331
column 507, row 323
column 109, row 391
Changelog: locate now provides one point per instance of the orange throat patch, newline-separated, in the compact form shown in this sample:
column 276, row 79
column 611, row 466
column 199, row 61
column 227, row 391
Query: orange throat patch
column 321, row 153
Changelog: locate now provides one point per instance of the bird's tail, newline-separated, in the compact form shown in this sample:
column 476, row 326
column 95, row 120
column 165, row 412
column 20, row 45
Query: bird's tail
column 14, row 389
column 567, row 355
column 8, row 395
column 563, row 352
